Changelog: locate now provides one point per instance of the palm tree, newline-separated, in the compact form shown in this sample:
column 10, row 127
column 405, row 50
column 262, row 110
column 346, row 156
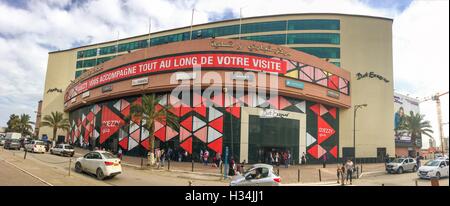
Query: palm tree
column 13, row 123
column 149, row 112
column 415, row 125
column 56, row 121
column 20, row 124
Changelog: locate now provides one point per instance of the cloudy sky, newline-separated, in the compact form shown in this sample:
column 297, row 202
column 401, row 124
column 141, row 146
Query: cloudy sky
column 30, row 29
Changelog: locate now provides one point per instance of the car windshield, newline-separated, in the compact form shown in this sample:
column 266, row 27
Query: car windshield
column 14, row 140
column 68, row 147
column 433, row 163
column 108, row 155
column 39, row 143
column 400, row 160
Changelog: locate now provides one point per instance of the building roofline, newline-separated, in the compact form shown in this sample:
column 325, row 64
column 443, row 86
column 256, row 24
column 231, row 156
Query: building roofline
column 223, row 21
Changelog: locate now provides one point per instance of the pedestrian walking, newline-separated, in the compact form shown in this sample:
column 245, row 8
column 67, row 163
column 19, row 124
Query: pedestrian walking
column 205, row 157
column 324, row 159
column 418, row 158
column 231, row 167
column 285, row 159
column 201, row 156
column 119, row 153
column 303, row 160
column 271, row 158
column 338, row 173
column 277, row 159
column 349, row 170
column 163, row 157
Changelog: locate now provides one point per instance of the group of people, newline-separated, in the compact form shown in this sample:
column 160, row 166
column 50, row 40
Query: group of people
column 345, row 171
column 277, row 158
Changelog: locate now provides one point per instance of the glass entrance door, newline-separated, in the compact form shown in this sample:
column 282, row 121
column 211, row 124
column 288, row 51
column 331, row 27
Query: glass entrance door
column 270, row 136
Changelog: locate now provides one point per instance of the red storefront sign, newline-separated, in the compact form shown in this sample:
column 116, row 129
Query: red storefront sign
column 182, row 62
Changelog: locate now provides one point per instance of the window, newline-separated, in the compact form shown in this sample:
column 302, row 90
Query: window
column 89, row 62
column 170, row 38
column 79, row 73
column 215, row 32
column 314, row 38
column 322, row 52
column 263, row 27
column 314, row 24
column 107, row 50
column 79, row 64
column 273, row 39
column 132, row 45
column 96, row 155
column 104, row 59
column 87, row 53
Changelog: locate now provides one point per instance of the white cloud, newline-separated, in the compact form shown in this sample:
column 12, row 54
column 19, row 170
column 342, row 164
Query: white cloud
column 28, row 34
column 421, row 50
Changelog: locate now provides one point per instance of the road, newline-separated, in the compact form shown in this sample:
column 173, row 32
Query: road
column 405, row 179
column 19, row 179
column 55, row 170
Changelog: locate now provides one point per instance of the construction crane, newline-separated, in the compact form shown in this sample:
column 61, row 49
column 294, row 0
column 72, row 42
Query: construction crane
column 436, row 98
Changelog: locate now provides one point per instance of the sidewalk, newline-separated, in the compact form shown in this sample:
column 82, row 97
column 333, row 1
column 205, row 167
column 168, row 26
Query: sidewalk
column 308, row 173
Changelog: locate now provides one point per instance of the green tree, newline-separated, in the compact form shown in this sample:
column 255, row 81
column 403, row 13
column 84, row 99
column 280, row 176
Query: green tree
column 56, row 121
column 415, row 125
column 149, row 112
column 13, row 123
column 20, row 124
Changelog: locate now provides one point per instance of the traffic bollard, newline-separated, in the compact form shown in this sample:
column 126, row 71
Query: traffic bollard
column 278, row 171
column 142, row 162
column 320, row 176
column 192, row 166
column 298, row 175
column 25, row 155
column 70, row 164
column 357, row 172
column 168, row 164
column 417, row 183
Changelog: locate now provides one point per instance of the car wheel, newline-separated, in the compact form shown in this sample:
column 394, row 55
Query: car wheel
column 400, row 170
column 100, row 174
column 78, row 167
column 438, row 175
column 414, row 169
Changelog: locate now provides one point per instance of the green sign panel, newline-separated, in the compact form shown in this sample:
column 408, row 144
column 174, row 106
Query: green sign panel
column 294, row 84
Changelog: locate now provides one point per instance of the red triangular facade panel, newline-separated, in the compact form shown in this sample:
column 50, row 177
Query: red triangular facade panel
column 217, row 124
column 216, row 145
column 333, row 151
column 187, row 145
column 146, row 144
column 187, row 123
column 332, row 112
column 161, row 134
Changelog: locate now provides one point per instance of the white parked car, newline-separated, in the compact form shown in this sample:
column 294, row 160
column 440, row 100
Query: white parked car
column 434, row 168
column 399, row 165
column 63, row 149
column 35, row 146
column 101, row 163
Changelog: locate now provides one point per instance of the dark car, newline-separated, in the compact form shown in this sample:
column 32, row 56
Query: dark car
column 12, row 144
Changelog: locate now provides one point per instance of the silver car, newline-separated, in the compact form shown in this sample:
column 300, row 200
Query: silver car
column 63, row 149
column 257, row 175
column 399, row 165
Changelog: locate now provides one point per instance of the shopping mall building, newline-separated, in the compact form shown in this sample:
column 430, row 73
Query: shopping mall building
column 291, row 81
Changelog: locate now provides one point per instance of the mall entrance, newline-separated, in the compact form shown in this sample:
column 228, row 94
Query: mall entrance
column 271, row 136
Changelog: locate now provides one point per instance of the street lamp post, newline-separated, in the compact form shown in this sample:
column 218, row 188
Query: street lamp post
column 355, row 109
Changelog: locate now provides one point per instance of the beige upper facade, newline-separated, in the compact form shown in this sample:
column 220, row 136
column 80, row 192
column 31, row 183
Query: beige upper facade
column 365, row 46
